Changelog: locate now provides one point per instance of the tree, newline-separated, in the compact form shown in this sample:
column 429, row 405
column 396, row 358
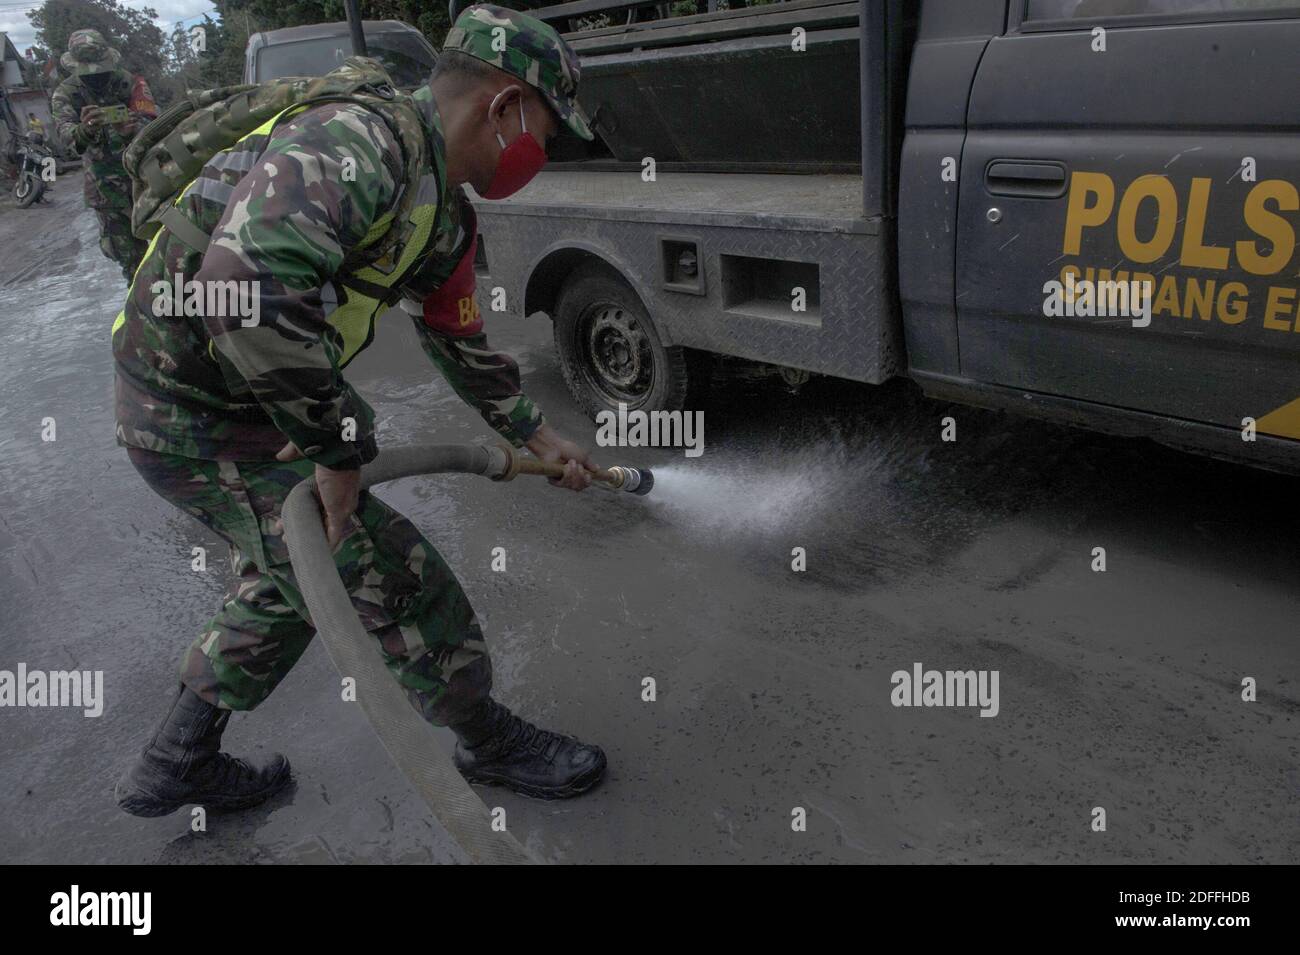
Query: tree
column 227, row 36
column 430, row 18
column 175, row 63
column 207, row 54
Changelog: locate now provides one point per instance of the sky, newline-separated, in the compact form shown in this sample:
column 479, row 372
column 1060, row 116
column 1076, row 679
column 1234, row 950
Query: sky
column 13, row 16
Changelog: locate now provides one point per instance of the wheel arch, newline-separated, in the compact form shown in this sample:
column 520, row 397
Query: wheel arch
column 552, row 268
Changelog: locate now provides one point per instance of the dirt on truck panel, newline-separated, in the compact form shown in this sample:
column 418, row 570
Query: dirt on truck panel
column 928, row 373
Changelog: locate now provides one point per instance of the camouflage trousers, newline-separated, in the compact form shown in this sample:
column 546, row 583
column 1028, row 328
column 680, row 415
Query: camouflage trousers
column 118, row 242
column 406, row 595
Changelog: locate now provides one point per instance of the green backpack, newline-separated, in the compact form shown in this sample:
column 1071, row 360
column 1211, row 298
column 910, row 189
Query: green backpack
column 168, row 154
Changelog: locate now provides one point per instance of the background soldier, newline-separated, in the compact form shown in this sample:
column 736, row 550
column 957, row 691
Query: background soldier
column 224, row 418
column 97, row 109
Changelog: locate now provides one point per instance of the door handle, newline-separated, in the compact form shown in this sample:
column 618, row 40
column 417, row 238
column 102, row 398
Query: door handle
column 1025, row 178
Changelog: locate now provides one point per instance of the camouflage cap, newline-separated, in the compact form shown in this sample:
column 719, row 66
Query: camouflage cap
column 89, row 52
column 527, row 48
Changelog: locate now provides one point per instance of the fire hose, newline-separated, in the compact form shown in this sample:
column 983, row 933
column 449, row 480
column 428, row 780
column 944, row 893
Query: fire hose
column 406, row 737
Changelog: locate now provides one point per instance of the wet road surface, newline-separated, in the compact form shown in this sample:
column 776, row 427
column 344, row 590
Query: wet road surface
column 1118, row 689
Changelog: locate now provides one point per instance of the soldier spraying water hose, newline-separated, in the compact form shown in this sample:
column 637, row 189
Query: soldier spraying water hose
column 224, row 411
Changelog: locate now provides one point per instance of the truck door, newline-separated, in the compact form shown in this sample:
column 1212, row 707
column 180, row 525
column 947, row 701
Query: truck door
column 1118, row 140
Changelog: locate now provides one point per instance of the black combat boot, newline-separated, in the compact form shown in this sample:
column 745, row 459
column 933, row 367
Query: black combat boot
column 183, row 765
column 499, row 748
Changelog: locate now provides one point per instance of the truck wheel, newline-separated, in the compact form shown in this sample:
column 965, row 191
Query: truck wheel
column 610, row 352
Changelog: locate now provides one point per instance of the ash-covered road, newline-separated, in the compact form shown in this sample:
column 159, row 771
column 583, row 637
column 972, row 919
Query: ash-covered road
column 1119, row 690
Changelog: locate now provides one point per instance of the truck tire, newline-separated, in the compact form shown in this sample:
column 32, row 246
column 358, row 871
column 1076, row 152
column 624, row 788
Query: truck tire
column 610, row 352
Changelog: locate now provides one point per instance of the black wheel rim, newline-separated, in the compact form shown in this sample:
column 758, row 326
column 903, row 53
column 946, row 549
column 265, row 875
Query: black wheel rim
column 615, row 353
column 24, row 187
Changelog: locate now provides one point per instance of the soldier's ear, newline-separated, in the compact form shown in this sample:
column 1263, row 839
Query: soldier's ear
column 504, row 101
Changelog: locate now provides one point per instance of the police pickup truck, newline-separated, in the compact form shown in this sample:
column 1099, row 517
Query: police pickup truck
column 1078, row 209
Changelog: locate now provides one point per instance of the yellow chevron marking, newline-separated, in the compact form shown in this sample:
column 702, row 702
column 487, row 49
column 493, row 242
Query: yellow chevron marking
column 1284, row 422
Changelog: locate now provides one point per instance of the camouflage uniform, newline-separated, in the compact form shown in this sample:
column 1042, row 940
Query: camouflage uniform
column 406, row 595
column 107, row 186
column 204, row 403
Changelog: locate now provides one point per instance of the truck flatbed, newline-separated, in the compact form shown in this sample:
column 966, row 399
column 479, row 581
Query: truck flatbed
column 802, row 203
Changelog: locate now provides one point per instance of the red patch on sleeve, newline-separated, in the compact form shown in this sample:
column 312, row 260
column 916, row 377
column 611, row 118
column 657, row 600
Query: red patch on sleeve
column 141, row 100
column 452, row 308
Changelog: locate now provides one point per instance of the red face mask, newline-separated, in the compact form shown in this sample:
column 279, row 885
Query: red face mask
column 519, row 163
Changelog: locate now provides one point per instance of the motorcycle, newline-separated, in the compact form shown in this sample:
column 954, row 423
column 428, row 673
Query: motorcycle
column 33, row 159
